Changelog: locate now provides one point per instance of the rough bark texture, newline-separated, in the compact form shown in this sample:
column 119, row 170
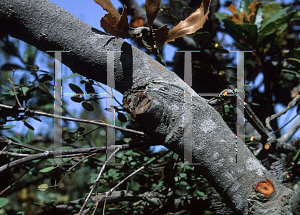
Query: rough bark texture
column 158, row 101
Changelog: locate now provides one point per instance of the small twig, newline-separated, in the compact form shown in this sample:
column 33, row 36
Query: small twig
column 97, row 180
column 14, row 154
column 86, row 157
column 293, row 103
column 99, row 85
column 76, row 120
column 21, row 145
column 15, row 91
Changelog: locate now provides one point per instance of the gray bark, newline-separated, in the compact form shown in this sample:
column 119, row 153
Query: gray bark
column 159, row 106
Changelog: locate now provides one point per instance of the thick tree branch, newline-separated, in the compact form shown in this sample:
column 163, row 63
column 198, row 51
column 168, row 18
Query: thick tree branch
column 160, row 102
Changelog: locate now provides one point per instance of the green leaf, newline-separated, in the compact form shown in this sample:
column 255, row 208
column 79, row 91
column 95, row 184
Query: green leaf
column 29, row 136
column 293, row 61
column 268, row 29
column 36, row 118
column 269, row 10
column 71, row 76
column 250, row 30
column 28, row 125
column 9, row 66
column 77, row 99
column 5, row 87
column 233, row 29
column 122, row 117
column 182, row 174
column 48, row 169
column 203, row 38
column 286, row 18
column 43, row 88
column 8, row 126
column 296, row 157
column 3, row 201
column 87, row 106
column 43, row 187
column 259, row 18
column 75, row 88
column 200, row 193
column 263, row 40
column 272, row 12
column 220, row 16
column 89, row 205
column 16, row 138
column 81, row 129
column 244, row 5
column 89, row 88
column 24, row 90
column 241, row 47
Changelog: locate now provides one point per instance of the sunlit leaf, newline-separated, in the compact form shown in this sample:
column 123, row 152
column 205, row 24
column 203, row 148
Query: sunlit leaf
column 43, row 187
column 272, row 14
column 5, row 87
column 3, row 201
column 48, row 169
column 71, row 76
column 269, row 10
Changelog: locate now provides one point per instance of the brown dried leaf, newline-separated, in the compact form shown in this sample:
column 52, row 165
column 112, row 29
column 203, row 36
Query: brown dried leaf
column 235, row 16
column 161, row 35
column 253, row 8
column 232, row 9
column 122, row 25
column 108, row 6
column 118, row 28
column 152, row 8
column 137, row 20
column 245, row 18
column 191, row 24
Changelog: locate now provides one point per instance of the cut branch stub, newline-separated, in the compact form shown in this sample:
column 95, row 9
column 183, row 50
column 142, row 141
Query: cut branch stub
column 266, row 187
column 136, row 103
